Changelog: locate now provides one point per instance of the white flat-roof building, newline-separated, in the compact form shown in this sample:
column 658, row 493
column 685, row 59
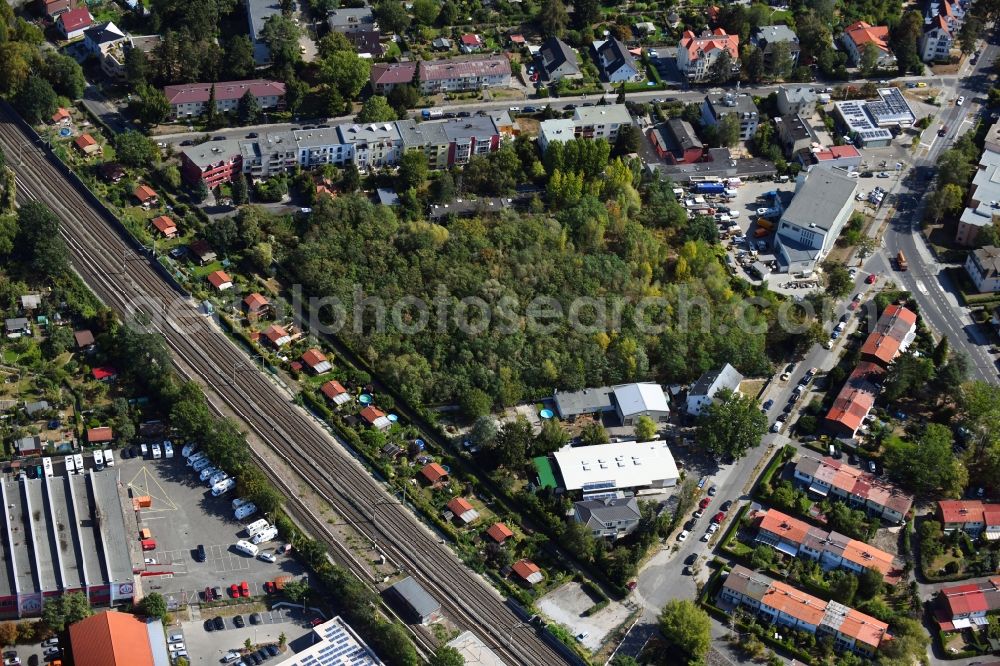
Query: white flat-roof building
column 823, row 202
column 617, row 466
column 890, row 109
column 555, row 130
column 642, row 399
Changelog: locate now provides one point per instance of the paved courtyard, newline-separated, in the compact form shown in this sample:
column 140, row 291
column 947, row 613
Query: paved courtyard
column 566, row 605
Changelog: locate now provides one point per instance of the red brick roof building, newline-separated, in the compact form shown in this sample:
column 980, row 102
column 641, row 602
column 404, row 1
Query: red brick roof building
column 256, row 306
column 462, row 510
column 434, row 474
column 970, row 516
column 100, row 435
column 146, row 195
column 895, row 330
column 316, row 361
column 165, row 225
column 277, row 335
column 375, row 417
column 220, row 280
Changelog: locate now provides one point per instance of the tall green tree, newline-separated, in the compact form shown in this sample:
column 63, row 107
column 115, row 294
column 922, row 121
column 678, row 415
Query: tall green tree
column 586, row 13
column 36, row 100
column 154, row 605
column 447, row 656
column 721, row 71
column 249, row 110
column 413, row 169
column 150, row 105
column 837, row 278
column 391, row 16
column 134, row 149
column 731, row 425
column 239, row 61
column 552, row 17
column 346, row 72
column 376, row 109
column 645, row 429
column 38, row 243
column 425, row 12
column 65, row 74
column 926, row 466
column 60, row 612
column 869, row 59
column 282, row 38
column 687, row 630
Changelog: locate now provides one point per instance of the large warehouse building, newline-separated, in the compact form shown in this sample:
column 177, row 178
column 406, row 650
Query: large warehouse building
column 617, row 466
column 63, row 534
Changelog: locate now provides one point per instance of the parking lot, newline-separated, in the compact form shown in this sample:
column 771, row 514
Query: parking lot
column 207, row 647
column 183, row 515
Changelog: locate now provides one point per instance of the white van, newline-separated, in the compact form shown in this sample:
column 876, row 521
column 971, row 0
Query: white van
column 47, row 465
column 247, row 548
column 157, row 454
column 168, row 449
column 188, row 449
column 70, row 465
column 245, row 511
column 257, row 526
column 208, row 472
column 195, row 457
column 223, row 487
column 109, row 458
column 265, row 536
column 218, row 477
column 175, row 638
column 238, row 502
column 202, row 464
column 78, row 461
column 98, row 459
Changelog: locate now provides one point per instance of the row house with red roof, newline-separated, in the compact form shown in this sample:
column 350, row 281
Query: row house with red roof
column 832, row 550
column 827, row 477
column 964, row 606
column 785, row 605
column 973, row 517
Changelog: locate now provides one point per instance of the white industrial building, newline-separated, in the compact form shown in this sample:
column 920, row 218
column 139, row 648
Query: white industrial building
column 860, row 128
column 603, row 468
column 643, row 399
column 823, row 202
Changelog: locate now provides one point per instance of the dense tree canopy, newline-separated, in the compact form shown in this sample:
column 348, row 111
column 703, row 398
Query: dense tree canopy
column 687, row 630
column 731, row 424
column 926, row 465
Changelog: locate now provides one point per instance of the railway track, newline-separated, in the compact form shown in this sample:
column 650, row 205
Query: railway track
column 128, row 283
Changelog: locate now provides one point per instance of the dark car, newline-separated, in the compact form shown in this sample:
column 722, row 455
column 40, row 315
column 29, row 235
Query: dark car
column 272, row 650
column 217, row 591
column 209, row 625
column 252, row 135
column 726, row 505
column 254, row 618
column 691, row 559
column 218, row 138
column 768, row 405
column 464, row 114
column 569, row 107
column 262, row 653
column 238, row 621
column 255, row 659
column 187, row 142
column 687, row 571
column 219, row 623
column 867, row 174
column 199, row 553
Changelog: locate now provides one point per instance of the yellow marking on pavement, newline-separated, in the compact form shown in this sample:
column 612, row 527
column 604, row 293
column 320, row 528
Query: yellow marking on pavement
column 144, row 483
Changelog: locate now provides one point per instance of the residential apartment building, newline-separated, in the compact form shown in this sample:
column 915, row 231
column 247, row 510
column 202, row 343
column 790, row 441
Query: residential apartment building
column 703, row 391
column 613, row 517
column 829, row 477
column 615, row 62
column 973, row 517
column 796, row 100
column 191, row 99
column 823, row 202
column 855, row 400
column 794, row 134
column 600, row 122
column 557, row 60
column 387, row 75
column 963, row 606
column 785, row 605
column 428, row 138
column 601, row 469
column 469, row 137
column 696, row 55
column 107, row 43
column 258, row 11
column 983, row 204
column 832, row 550
column 53, row 8
column 463, row 74
column 214, row 162
column 894, row 332
column 859, row 34
column 983, row 267
column 766, row 37
column 716, row 106
column 350, row 19
column 936, row 41
column 372, row 144
column 555, row 130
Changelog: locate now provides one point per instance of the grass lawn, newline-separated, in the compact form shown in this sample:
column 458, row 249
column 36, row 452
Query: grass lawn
column 202, row 271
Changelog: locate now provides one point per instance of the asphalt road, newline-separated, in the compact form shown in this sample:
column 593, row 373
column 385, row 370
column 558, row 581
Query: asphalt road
column 930, row 285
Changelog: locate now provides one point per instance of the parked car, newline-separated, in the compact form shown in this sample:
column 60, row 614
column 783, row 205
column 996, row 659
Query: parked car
column 960, row 101
column 712, row 491
column 726, row 505
column 691, row 559
column 705, row 501
column 768, row 405
column 871, row 279
column 238, row 621
column 719, row 517
column 219, row 623
column 706, row 536
column 683, row 535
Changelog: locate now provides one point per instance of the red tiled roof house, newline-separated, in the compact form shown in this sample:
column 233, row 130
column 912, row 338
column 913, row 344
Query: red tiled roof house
column 528, row 572
column 316, row 361
column 375, row 417
column 165, row 225
column 335, row 392
column 72, row 23
column 462, row 511
column 434, row 474
column 86, row 144
column 100, row 435
column 257, row 307
column 145, row 195
column 191, row 99
column 277, row 336
column 499, row 532
column 220, row 280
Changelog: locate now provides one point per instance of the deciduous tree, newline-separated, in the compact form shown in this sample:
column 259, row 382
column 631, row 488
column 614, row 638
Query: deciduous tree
column 686, row 629
column 552, row 17
column 645, row 429
column 731, row 425
column 376, row 109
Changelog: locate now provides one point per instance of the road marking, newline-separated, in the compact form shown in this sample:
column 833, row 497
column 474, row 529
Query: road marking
column 144, row 483
column 921, row 287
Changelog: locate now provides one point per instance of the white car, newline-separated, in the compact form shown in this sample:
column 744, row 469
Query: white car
column 713, row 527
column 218, row 477
column 149, row 560
column 706, row 536
column 960, row 101
column 188, row 449
column 683, row 535
column 267, row 557
column 208, row 472
column 777, row 426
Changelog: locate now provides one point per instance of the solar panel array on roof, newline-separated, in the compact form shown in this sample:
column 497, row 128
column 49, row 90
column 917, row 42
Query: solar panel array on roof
column 891, row 109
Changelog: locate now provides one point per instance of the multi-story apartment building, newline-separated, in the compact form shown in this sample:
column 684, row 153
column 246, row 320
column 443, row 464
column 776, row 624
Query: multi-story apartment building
column 463, row 74
column 191, row 99
column 829, row 477
column 831, row 549
column 428, row 138
column 983, row 267
column 696, row 55
column 468, row 137
column 782, row 604
column 716, row 106
column 372, row 144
